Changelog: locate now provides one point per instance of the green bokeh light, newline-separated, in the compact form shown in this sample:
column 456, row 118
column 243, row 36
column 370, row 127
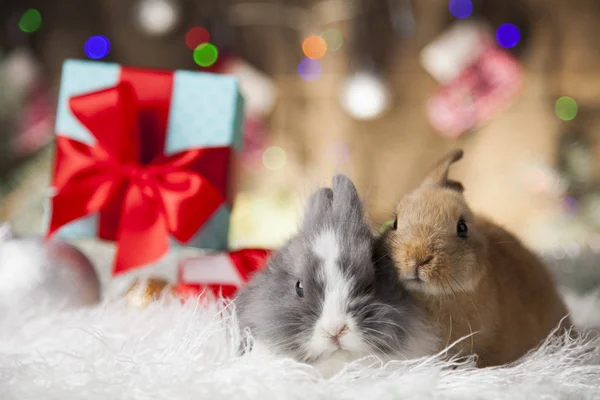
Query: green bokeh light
column 333, row 38
column 206, row 54
column 566, row 108
column 30, row 21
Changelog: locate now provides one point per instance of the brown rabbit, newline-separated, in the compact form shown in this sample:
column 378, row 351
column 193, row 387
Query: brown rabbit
column 471, row 275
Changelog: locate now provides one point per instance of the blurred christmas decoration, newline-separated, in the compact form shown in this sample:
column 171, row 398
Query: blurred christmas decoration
column 97, row 47
column 569, row 239
column 460, row 8
column 206, row 54
column 508, row 35
column 478, row 79
column 34, row 272
column 158, row 17
column 30, row 21
column 365, row 95
column 211, row 276
column 309, row 69
column 509, row 20
column 26, row 111
column 578, row 270
column 196, row 36
column 144, row 291
column 403, row 17
column 565, row 108
column 333, row 39
column 314, row 47
column 274, row 158
column 221, row 274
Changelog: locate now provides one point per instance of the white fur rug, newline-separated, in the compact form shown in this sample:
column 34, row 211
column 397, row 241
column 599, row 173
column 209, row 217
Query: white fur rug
column 173, row 351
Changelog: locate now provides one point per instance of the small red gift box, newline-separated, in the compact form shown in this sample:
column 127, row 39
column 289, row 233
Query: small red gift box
column 222, row 274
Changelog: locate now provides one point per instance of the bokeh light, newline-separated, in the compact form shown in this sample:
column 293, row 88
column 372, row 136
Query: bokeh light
column 365, row 96
column 333, row 38
column 460, row 8
column 570, row 205
column 508, row 35
column 196, row 36
column 274, row 158
column 97, row 47
column 314, row 47
column 309, row 69
column 158, row 17
column 30, row 21
column 565, row 108
column 206, row 54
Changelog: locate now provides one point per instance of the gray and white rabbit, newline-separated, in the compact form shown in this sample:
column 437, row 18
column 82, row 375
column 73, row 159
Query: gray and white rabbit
column 331, row 294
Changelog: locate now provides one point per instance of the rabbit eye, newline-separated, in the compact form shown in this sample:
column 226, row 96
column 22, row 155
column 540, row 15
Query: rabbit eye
column 299, row 289
column 395, row 224
column 461, row 229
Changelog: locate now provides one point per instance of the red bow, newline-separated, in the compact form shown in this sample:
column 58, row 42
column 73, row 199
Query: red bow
column 142, row 195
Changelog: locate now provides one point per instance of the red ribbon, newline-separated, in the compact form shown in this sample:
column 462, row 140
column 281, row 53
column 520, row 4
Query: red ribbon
column 141, row 195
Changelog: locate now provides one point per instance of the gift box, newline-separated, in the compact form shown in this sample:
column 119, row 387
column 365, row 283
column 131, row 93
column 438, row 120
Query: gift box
column 144, row 158
column 478, row 78
column 219, row 274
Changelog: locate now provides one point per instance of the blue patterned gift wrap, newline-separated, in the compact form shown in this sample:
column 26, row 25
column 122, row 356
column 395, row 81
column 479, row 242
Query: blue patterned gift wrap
column 206, row 111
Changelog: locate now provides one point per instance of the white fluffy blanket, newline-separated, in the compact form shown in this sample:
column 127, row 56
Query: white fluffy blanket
column 174, row 351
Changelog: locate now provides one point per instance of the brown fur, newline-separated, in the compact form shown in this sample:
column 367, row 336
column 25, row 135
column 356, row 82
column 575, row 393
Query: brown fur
column 488, row 284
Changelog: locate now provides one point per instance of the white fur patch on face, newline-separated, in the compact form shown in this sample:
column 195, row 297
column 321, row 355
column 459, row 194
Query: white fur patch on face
column 334, row 315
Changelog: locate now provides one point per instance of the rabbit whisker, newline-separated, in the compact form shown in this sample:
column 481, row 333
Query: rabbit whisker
column 469, row 297
column 463, row 314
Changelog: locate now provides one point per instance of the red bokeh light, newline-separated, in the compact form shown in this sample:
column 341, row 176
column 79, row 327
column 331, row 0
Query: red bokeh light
column 196, row 36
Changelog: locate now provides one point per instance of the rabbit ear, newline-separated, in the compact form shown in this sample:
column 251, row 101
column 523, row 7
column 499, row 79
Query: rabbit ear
column 439, row 175
column 318, row 207
column 346, row 201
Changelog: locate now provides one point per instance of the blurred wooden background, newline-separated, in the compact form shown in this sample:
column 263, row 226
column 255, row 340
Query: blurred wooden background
column 390, row 155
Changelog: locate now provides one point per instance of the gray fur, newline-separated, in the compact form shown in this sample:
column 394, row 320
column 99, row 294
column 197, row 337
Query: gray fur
column 384, row 313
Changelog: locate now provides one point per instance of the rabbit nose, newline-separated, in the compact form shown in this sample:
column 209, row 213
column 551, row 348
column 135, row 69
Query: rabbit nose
column 421, row 262
column 337, row 332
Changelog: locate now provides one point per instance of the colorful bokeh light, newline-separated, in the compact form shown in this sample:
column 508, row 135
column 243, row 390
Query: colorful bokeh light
column 460, row 8
column 569, row 205
column 206, row 54
column 309, row 69
column 508, row 35
column 196, row 36
column 97, row 47
column 566, row 108
column 274, row 158
column 333, row 39
column 30, row 21
column 314, row 47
